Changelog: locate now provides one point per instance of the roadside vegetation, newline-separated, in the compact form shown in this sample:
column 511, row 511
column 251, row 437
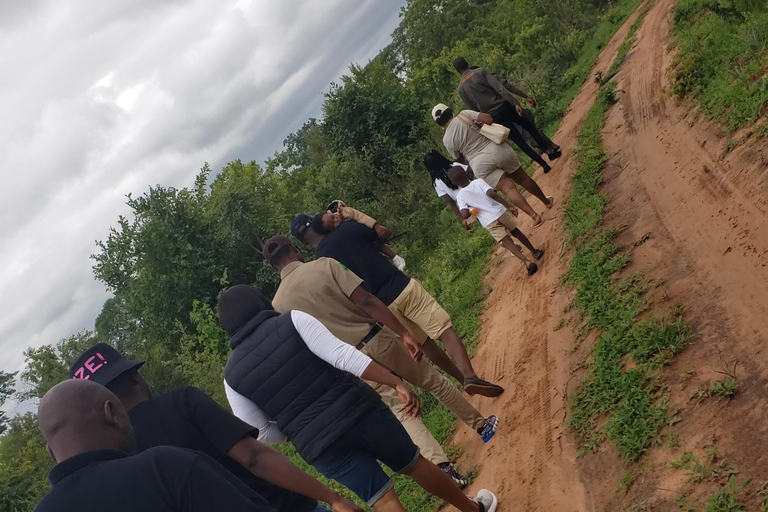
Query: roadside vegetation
column 167, row 262
column 722, row 61
column 619, row 398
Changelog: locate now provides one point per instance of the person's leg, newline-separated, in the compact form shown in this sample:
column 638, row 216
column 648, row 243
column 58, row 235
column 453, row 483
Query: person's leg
column 381, row 436
column 416, row 304
column 537, row 253
column 416, row 429
column 538, row 136
column 434, row 481
column 359, row 472
column 516, row 137
column 508, row 188
column 438, row 356
column 391, row 353
column 521, row 178
column 512, row 247
column 389, row 503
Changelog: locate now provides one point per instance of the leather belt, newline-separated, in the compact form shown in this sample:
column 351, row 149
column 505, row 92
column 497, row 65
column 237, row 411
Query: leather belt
column 368, row 337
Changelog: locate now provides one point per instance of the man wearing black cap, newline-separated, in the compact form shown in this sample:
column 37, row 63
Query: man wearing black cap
column 89, row 437
column 187, row 417
column 357, row 248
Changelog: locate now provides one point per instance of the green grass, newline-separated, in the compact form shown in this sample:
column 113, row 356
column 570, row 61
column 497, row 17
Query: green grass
column 616, row 400
column 454, row 276
column 625, row 46
column 727, row 499
column 573, row 79
column 723, row 58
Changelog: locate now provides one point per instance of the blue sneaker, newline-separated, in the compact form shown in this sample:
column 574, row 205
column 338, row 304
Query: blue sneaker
column 489, row 428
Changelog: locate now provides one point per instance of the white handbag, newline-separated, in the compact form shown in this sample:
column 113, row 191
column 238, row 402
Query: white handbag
column 496, row 132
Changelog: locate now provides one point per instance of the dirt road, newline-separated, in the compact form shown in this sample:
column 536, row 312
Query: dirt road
column 700, row 223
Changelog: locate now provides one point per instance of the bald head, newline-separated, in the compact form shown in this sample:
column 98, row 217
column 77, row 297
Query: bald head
column 77, row 416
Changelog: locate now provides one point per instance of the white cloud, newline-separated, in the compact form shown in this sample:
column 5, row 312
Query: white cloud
column 100, row 99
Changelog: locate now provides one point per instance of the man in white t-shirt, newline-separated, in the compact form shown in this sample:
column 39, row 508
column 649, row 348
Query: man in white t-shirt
column 496, row 164
column 494, row 213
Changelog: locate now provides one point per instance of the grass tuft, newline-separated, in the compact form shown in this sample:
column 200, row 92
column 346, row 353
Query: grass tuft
column 619, row 398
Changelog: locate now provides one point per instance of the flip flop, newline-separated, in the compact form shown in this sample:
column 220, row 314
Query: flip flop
column 534, row 226
column 551, row 200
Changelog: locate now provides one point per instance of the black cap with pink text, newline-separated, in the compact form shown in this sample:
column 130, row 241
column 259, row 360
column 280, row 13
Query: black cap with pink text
column 102, row 364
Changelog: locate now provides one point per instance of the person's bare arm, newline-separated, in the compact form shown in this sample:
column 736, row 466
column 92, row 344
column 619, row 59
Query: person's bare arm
column 484, row 118
column 348, row 212
column 454, row 207
column 274, row 467
column 519, row 92
column 379, row 311
column 378, row 373
column 496, row 197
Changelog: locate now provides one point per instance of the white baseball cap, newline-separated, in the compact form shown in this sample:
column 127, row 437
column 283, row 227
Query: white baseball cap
column 438, row 110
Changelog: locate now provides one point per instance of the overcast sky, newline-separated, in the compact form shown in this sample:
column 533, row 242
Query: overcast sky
column 102, row 98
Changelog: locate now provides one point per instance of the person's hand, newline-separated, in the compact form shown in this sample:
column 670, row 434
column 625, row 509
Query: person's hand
column 531, row 102
column 383, row 233
column 342, row 504
column 412, row 347
column 514, row 211
column 465, row 223
column 411, row 406
column 519, row 109
column 398, row 262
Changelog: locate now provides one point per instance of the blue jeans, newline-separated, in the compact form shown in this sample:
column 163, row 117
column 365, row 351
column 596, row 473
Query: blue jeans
column 353, row 460
column 320, row 508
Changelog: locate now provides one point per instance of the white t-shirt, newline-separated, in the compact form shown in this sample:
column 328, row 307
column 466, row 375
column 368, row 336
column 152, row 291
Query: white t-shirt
column 461, row 138
column 474, row 196
column 444, row 190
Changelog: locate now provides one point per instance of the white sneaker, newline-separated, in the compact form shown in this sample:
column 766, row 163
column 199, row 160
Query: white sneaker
column 487, row 500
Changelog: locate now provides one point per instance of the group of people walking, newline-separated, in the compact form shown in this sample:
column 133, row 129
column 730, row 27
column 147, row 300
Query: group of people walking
column 325, row 364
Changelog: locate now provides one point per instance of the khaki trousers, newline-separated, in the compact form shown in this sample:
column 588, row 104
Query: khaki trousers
column 387, row 349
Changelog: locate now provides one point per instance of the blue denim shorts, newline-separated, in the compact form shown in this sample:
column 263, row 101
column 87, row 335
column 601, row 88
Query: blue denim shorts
column 353, row 460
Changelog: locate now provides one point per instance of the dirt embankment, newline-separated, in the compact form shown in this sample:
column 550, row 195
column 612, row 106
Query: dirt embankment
column 697, row 227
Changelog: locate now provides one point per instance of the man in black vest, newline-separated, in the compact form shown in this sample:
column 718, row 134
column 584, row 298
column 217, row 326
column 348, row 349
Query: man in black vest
column 188, row 418
column 289, row 370
column 89, row 436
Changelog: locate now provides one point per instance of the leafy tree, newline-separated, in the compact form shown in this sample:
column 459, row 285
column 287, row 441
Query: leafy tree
column 48, row 365
column 7, row 385
column 24, row 465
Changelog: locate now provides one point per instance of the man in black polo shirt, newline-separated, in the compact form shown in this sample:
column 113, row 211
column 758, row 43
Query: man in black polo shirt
column 357, row 247
column 187, row 417
column 89, row 436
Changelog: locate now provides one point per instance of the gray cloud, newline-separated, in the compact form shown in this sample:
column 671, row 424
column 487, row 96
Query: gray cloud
column 100, row 99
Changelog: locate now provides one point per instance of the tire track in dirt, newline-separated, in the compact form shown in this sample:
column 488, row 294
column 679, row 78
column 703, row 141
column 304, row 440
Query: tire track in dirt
column 707, row 219
column 699, row 227
column 528, row 464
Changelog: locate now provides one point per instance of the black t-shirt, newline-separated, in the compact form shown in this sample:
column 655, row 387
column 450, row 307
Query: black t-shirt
column 188, row 418
column 352, row 244
column 163, row 479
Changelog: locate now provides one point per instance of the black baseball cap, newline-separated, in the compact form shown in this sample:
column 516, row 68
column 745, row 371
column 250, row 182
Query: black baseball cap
column 102, row 364
column 299, row 225
column 273, row 245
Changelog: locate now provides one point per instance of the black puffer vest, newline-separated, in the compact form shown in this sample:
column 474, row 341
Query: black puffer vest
column 313, row 403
